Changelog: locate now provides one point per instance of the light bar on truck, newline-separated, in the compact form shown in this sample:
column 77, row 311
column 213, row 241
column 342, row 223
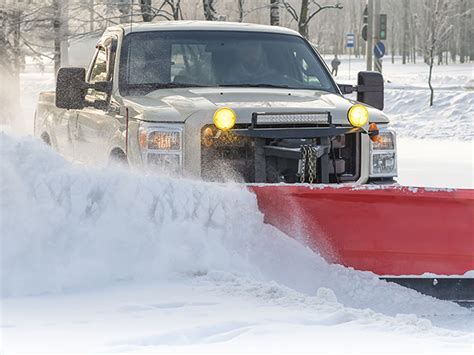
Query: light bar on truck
column 288, row 118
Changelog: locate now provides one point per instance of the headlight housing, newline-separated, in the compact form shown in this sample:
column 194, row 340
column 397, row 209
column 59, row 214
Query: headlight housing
column 224, row 118
column 358, row 115
column 383, row 155
column 161, row 146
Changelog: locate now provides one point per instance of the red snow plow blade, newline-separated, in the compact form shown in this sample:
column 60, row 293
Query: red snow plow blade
column 387, row 230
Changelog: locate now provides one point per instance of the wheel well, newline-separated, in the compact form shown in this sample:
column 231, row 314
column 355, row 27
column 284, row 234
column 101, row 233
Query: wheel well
column 117, row 155
column 45, row 138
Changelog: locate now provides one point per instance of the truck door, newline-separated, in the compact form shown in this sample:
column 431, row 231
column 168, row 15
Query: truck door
column 96, row 123
column 63, row 134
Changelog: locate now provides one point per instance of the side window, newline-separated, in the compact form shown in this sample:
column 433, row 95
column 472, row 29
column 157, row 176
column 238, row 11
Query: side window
column 99, row 69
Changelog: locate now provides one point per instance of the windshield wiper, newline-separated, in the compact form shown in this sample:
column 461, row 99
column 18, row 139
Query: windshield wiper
column 155, row 86
column 261, row 85
column 146, row 88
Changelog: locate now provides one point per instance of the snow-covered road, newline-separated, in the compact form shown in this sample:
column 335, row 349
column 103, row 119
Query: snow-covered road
column 436, row 163
column 220, row 313
column 125, row 263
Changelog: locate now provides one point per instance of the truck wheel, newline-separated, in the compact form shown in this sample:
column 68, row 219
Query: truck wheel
column 45, row 138
column 118, row 159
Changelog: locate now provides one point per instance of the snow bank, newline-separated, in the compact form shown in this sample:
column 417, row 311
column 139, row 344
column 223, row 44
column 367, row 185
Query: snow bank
column 451, row 116
column 66, row 228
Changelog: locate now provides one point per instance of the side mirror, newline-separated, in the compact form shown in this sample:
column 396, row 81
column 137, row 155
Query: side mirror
column 370, row 89
column 71, row 88
column 103, row 86
column 346, row 88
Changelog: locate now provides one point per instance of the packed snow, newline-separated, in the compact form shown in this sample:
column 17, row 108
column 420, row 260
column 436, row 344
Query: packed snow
column 121, row 262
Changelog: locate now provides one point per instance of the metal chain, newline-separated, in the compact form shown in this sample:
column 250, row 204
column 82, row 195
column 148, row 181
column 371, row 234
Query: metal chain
column 312, row 163
column 308, row 157
column 304, row 154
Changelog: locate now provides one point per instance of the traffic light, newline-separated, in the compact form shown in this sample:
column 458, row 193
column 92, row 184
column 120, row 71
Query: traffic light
column 365, row 19
column 383, row 27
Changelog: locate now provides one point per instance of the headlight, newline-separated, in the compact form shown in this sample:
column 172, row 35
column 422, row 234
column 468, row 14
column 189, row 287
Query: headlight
column 163, row 140
column 384, row 165
column 161, row 146
column 224, row 118
column 383, row 155
column 358, row 115
column 385, row 141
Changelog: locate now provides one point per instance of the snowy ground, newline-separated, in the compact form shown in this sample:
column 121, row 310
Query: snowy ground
column 122, row 263
column 435, row 143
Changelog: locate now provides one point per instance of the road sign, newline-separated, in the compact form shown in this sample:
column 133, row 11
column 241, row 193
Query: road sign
column 379, row 50
column 350, row 40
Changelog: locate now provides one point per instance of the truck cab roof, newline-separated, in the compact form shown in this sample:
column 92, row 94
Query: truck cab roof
column 202, row 26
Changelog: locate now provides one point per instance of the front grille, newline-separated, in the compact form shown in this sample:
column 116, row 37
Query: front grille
column 345, row 156
column 226, row 156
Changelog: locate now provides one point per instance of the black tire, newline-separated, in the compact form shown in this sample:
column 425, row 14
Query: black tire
column 118, row 158
column 45, row 138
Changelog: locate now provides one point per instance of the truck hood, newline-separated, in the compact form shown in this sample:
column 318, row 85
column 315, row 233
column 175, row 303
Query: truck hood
column 179, row 105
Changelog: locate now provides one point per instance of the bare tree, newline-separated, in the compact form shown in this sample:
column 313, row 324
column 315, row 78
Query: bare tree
column 210, row 13
column 275, row 12
column 240, row 4
column 437, row 32
column 406, row 12
column 9, row 64
column 307, row 13
column 168, row 9
column 175, row 8
column 146, row 10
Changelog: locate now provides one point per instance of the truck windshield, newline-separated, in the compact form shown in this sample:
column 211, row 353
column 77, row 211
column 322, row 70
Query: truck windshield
column 175, row 59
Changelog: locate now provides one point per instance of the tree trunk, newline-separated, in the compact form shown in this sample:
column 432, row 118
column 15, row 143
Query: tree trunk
column 430, row 74
column 274, row 13
column 124, row 9
column 463, row 32
column 209, row 10
column 64, row 31
column 413, row 39
column 303, row 20
column 405, row 31
column 145, row 8
column 176, row 9
column 240, row 4
column 91, row 15
column 9, row 67
column 57, row 36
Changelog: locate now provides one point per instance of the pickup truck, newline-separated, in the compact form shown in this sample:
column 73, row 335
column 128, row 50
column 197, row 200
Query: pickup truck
column 219, row 101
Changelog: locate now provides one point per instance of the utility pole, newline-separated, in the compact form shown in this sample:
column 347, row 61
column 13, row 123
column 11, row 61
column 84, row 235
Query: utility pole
column 370, row 31
column 376, row 34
